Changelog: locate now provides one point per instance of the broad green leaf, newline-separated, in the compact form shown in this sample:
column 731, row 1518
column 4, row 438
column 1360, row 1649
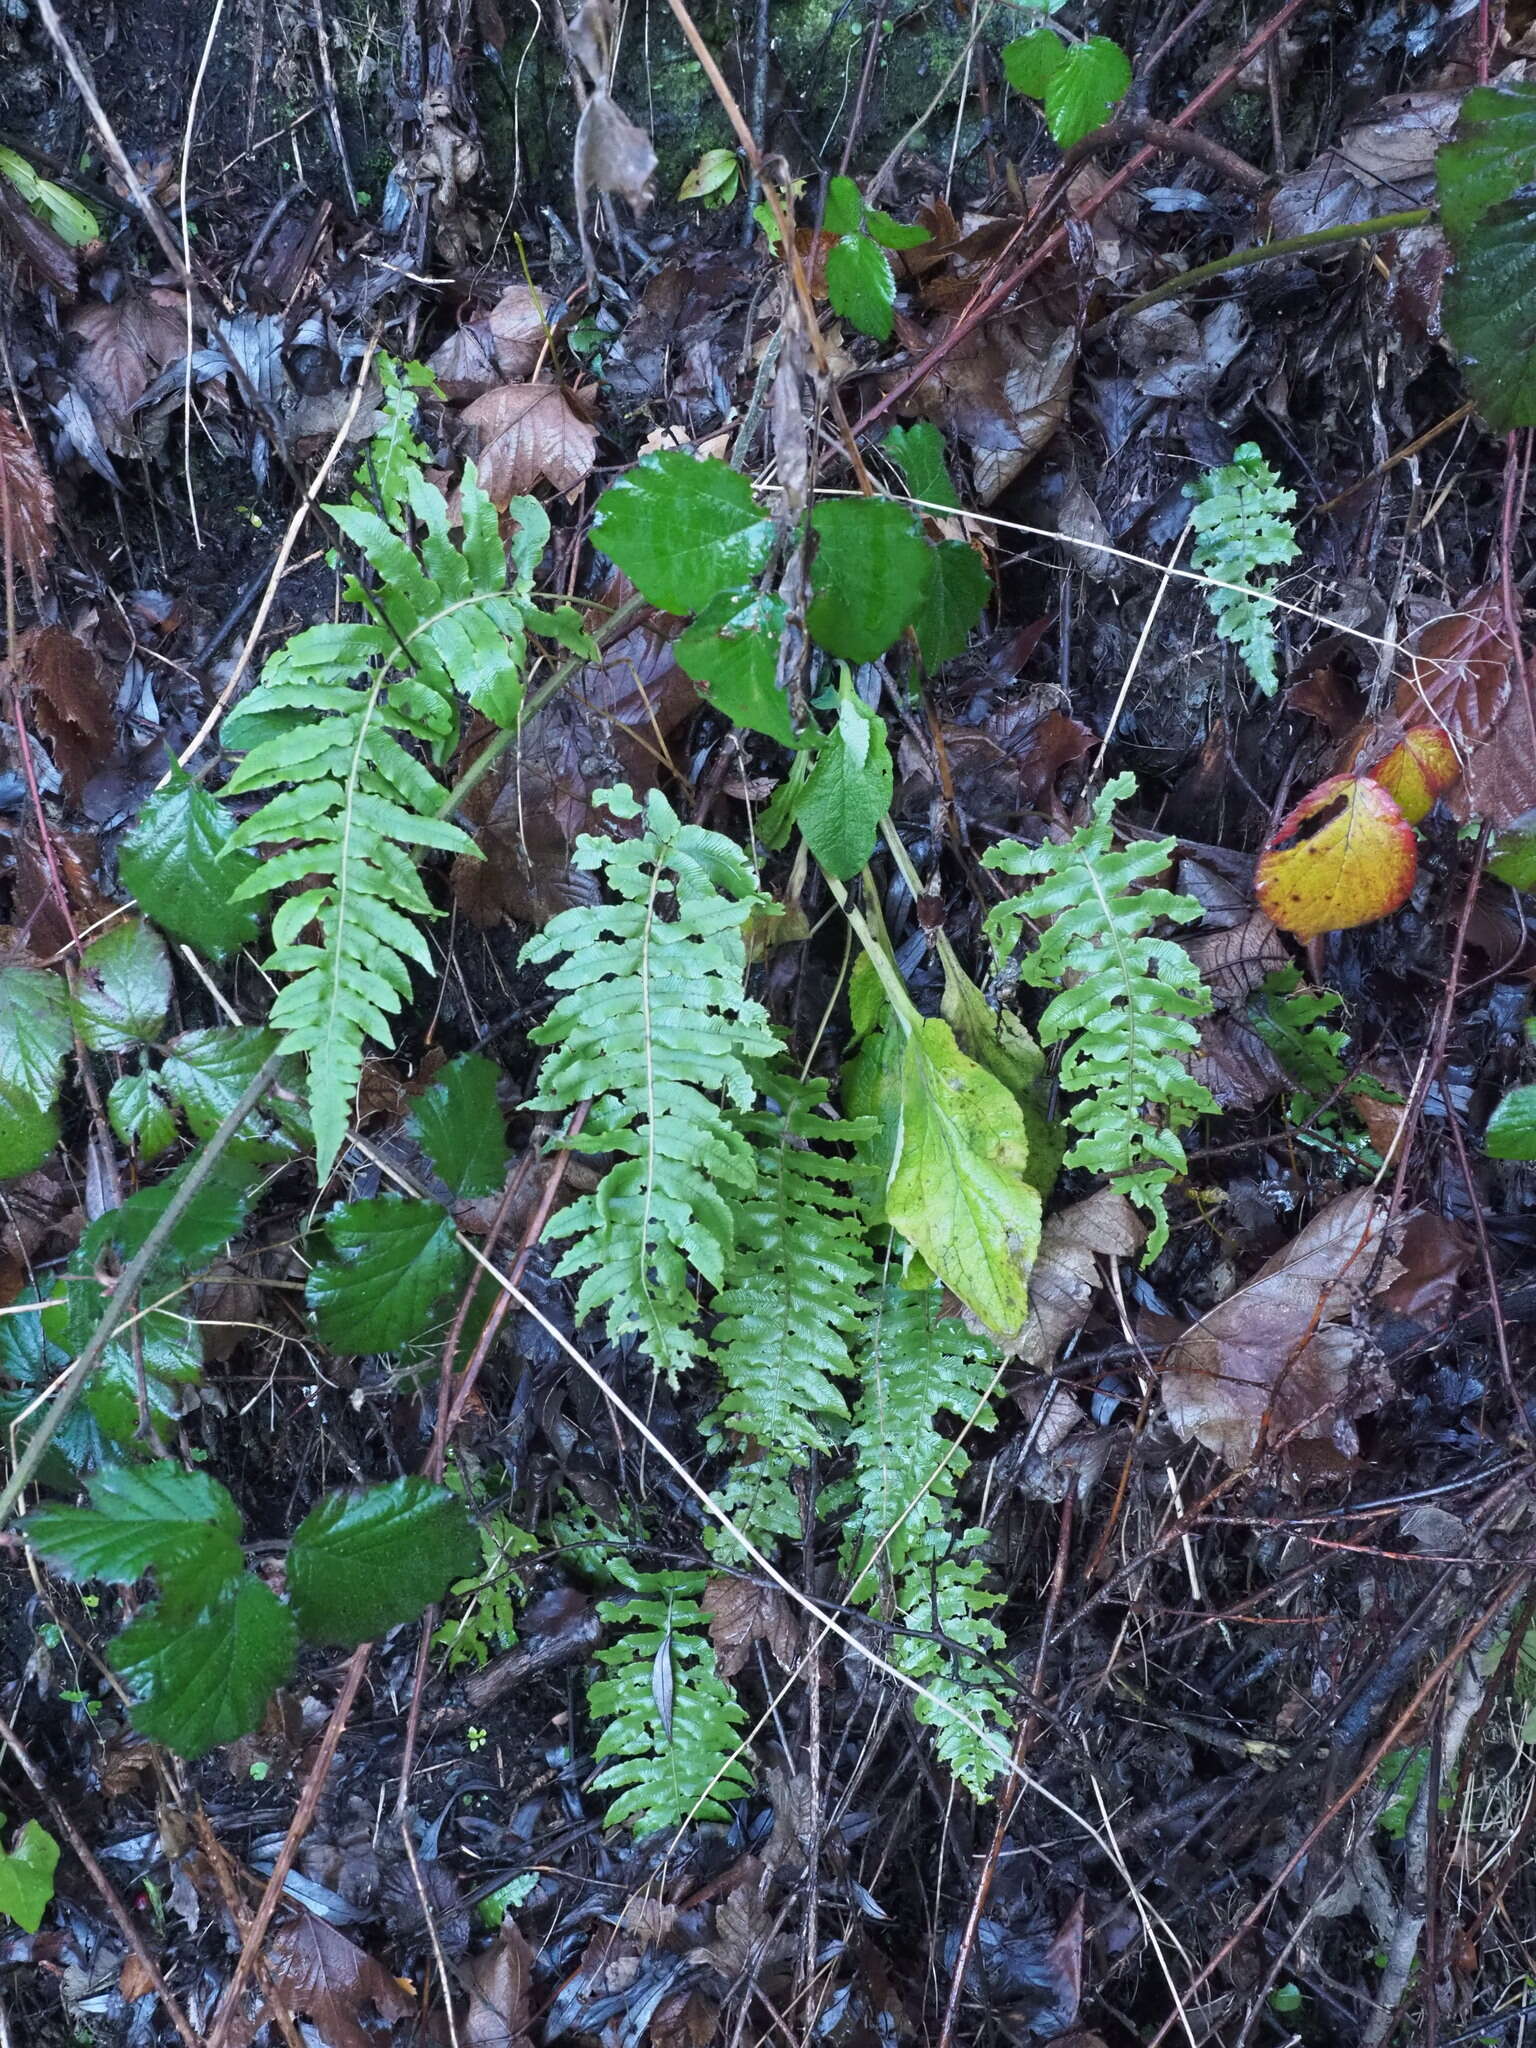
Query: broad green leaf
column 1513, row 858
column 203, row 1675
column 1031, row 62
column 860, row 285
column 211, row 1218
column 845, row 208
column 849, row 789
column 918, row 452
column 733, row 647
column 870, row 575
column 70, row 218
column 1511, row 1132
column 124, row 988
column 207, row 1072
column 31, row 1357
column 1092, row 79
column 894, row 234
column 394, row 1268
column 180, row 865
column 142, row 1516
column 140, row 1114
column 958, row 1192
column 34, row 1037
column 1492, row 155
column 996, row 1040
column 1490, row 312
column 26, row 1876
column 714, row 179
column 459, row 1126
column 957, row 596
column 683, row 530
column 364, row 1562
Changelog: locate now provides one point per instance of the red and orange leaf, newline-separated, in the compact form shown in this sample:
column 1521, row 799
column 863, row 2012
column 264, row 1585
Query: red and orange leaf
column 1344, row 856
column 1421, row 767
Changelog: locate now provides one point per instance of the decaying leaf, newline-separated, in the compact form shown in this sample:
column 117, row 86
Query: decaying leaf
column 1005, row 394
column 497, row 1984
column 742, row 1612
column 1462, row 681
column 1344, row 856
column 1419, row 768
column 124, row 346
column 526, row 434
column 1067, row 1274
column 26, row 499
column 71, row 705
column 1281, row 1361
column 327, row 1980
column 1378, row 166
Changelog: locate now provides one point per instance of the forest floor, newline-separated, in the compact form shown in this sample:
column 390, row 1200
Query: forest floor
column 1273, row 1684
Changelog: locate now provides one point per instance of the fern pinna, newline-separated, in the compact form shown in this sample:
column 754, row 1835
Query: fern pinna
column 1124, row 1001
column 338, row 728
column 1242, row 524
column 906, row 1554
column 654, row 1027
column 790, row 1311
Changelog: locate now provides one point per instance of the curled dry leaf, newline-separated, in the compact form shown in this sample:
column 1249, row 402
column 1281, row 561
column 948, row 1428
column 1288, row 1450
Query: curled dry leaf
column 526, row 434
column 742, row 1612
column 1067, row 1274
column 1344, row 856
column 327, row 1980
column 26, row 499
column 1462, row 681
column 1280, row 1361
column 71, row 705
column 124, row 346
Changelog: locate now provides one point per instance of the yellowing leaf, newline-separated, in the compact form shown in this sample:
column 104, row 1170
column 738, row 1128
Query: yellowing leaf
column 1421, row 767
column 714, row 179
column 957, row 1192
column 1344, row 856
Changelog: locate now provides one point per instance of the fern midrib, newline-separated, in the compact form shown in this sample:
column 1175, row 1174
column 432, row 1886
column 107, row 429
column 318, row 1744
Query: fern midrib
column 1128, row 1087
column 342, row 885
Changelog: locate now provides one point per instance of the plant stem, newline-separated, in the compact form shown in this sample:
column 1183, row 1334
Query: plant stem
column 1292, row 245
column 128, row 1286
column 489, row 755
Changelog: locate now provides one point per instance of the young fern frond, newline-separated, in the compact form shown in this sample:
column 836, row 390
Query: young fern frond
column 654, row 1027
column 671, row 1722
column 789, row 1312
column 903, row 1553
column 1242, row 524
column 1125, row 999
column 330, row 729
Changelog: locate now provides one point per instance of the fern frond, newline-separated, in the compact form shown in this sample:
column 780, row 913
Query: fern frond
column 654, row 1027
column 789, row 1312
column 671, row 1721
column 1242, row 524
column 1125, row 999
column 903, row 1556
column 332, row 727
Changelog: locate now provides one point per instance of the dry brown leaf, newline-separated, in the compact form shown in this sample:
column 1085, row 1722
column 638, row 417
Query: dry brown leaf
column 325, row 1979
column 1351, row 181
column 1434, row 1254
column 1235, row 1063
column 1081, row 525
column 1461, row 676
column 497, row 1984
column 124, row 346
column 1235, row 961
column 1067, row 1275
column 525, row 434
column 742, row 1612
column 26, row 500
column 1004, row 393
column 71, row 705
column 519, row 329
column 687, row 2019
column 465, row 365
column 1280, row 1360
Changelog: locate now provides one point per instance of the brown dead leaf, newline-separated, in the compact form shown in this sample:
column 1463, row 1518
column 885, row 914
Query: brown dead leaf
column 1067, row 1274
column 35, row 905
column 745, row 1941
column 519, row 330
column 1081, row 526
column 134, row 1980
column 497, row 1984
column 124, row 346
column 1461, row 677
column 1004, row 392
column 1281, row 1359
column 742, row 1612
column 1234, row 961
column 1434, row 1254
column 1378, row 165
column 465, row 365
column 325, row 1979
column 686, row 2019
column 1235, row 1063
column 26, row 500
column 524, row 434
column 71, row 705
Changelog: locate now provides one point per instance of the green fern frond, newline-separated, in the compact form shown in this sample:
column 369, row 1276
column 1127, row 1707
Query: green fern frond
column 1242, row 524
column 654, row 1027
column 918, row 1367
column 671, row 1723
column 790, row 1311
column 1125, row 999
column 332, row 727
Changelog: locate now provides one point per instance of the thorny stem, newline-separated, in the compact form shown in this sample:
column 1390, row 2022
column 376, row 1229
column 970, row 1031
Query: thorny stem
column 121, row 1297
